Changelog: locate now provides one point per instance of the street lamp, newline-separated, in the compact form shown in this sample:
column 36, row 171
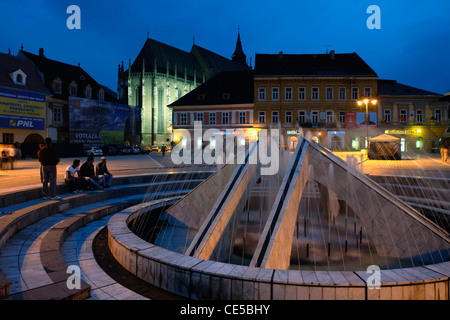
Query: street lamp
column 366, row 102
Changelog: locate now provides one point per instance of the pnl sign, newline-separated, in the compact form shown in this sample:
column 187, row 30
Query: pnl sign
column 22, row 110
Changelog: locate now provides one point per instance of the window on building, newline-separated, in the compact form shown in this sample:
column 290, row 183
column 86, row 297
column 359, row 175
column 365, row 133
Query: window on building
column 225, row 118
column 73, row 89
column 288, row 93
column 183, row 118
column 57, row 84
column 368, row 92
column 419, row 116
column 57, row 115
column 342, row 94
column 242, row 117
column 212, row 118
column 315, row 93
column 275, row 117
column 8, row 138
column 341, row 117
column 19, row 79
column 200, row 117
column 438, row 115
column 387, row 115
column 288, row 117
column 262, row 94
column 302, row 116
column 329, row 93
column 301, row 93
column 315, row 117
column 330, row 116
column 275, row 94
column 419, row 143
column 355, row 93
column 88, row 92
column 262, row 117
column 403, row 115
column 101, row 95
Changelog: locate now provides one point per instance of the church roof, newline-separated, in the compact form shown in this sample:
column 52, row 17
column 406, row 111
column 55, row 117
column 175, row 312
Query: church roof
column 166, row 56
column 239, row 54
column 229, row 87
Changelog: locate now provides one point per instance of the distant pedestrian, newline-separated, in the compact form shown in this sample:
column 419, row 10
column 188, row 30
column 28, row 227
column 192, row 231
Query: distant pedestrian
column 163, row 149
column 41, row 168
column 444, row 152
column 102, row 172
column 49, row 160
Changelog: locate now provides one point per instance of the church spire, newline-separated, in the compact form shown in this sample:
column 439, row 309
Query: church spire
column 238, row 54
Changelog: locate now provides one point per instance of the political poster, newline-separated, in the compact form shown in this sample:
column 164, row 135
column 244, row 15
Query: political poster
column 96, row 123
column 22, row 110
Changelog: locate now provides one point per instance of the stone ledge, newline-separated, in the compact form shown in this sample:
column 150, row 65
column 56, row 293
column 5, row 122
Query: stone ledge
column 202, row 279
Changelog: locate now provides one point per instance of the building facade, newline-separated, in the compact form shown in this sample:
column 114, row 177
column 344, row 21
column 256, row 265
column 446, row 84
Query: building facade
column 162, row 74
column 418, row 117
column 223, row 104
column 315, row 94
column 23, row 98
column 64, row 81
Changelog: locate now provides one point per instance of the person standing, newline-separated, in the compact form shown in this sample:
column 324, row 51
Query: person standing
column 49, row 159
column 102, row 172
column 163, row 149
column 445, row 151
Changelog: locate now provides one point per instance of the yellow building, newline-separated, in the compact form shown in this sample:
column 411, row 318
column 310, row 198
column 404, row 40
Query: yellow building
column 316, row 94
column 23, row 97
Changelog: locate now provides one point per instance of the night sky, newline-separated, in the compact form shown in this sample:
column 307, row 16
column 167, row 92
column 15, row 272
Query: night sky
column 412, row 46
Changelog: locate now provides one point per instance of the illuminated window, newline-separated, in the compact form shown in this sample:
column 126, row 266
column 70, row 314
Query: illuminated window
column 419, row 116
column 419, row 143
column 355, row 143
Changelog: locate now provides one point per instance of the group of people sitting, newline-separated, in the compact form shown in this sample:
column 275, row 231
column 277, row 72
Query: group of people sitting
column 85, row 177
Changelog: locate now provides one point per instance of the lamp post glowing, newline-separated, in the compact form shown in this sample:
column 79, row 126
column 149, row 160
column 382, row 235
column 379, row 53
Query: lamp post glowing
column 366, row 102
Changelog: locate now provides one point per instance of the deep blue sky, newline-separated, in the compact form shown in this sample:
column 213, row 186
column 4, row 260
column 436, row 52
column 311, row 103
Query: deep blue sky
column 412, row 47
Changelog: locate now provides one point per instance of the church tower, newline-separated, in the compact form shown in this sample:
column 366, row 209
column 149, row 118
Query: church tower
column 239, row 55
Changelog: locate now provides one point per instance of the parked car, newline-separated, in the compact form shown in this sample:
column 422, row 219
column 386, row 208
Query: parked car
column 154, row 148
column 93, row 151
column 145, row 150
column 135, row 150
column 109, row 150
column 121, row 149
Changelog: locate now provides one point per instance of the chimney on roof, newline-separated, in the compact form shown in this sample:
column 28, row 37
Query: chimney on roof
column 280, row 55
column 332, row 55
column 41, row 52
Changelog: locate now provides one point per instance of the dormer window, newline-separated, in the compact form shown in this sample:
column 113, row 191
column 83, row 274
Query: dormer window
column 57, row 84
column 73, row 89
column 18, row 77
column 82, row 77
column 201, row 97
column 88, row 92
column 226, row 96
column 101, row 95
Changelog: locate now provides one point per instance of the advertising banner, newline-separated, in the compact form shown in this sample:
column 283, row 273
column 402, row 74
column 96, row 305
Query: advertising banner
column 96, row 123
column 358, row 119
column 22, row 110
